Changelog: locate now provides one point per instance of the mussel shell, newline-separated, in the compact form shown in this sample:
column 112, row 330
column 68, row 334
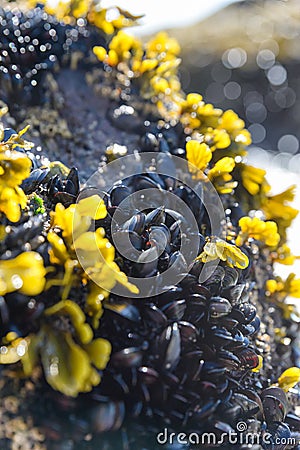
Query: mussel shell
column 163, row 262
column 179, row 403
column 124, row 311
column 163, row 146
column 159, row 235
column 173, row 216
column 151, row 313
column 233, row 413
column 188, row 332
column 190, row 366
column 169, row 347
column 206, row 410
column 148, row 375
column 234, row 294
column 107, row 416
column 24, row 232
column 156, row 216
column 218, row 307
column 230, row 361
column 175, row 310
column 7, row 133
column 127, row 357
column 35, row 178
column 65, row 198
column 118, row 194
column 123, row 240
column 148, row 142
column 142, row 182
column 212, row 369
column 275, row 404
column 187, row 282
column 244, row 312
column 293, row 421
column 170, row 293
column 178, row 262
column 220, row 336
column 136, row 223
column 228, row 322
column 249, row 359
column 255, row 324
column 196, row 308
column 236, row 213
column 250, row 407
column 4, row 315
column 202, row 290
column 213, row 283
column 175, row 231
column 207, row 388
column 73, row 178
column 230, row 278
column 146, row 265
column 239, row 341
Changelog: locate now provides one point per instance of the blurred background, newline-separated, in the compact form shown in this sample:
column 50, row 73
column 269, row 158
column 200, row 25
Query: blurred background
column 245, row 56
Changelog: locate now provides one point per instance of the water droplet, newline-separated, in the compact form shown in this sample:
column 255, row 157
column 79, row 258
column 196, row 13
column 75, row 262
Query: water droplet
column 17, row 281
column 22, row 348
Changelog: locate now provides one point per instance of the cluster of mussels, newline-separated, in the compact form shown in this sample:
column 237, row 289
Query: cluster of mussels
column 97, row 369
column 32, row 44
